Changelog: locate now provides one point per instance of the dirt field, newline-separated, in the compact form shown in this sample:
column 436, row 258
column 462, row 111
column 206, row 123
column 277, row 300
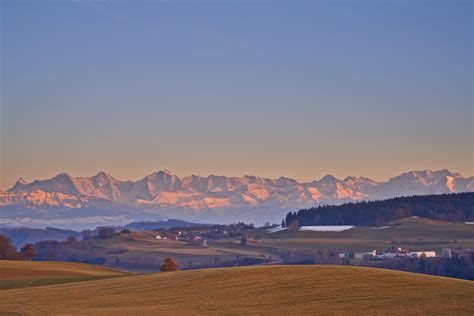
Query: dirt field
column 262, row 290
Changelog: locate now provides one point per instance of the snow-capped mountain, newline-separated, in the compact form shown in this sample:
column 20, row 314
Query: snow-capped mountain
column 212, row 198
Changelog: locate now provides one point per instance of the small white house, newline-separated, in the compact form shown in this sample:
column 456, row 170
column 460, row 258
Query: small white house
column 447, row 252
column 158, row 237
column 363, row 255
column 342, row 255
column 418, row 254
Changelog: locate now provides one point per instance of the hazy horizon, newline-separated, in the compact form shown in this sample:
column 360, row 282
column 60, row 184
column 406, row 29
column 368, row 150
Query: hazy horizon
column 290, row 89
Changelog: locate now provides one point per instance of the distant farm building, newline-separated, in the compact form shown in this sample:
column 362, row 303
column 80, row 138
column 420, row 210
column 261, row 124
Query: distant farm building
column 447, row 252
column 418, row 254
column 365, row 255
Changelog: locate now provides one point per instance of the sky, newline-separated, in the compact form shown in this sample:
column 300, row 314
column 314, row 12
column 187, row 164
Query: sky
column 271, row 88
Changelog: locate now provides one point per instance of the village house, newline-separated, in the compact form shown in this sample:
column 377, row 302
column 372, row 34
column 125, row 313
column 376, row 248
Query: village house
column 426, row 254
column 173, row 237
column 391, row 253
column 447, row 252
column 365, row 255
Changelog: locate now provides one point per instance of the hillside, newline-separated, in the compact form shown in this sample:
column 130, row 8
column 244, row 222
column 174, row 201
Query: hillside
column 156, row 225
column 263, row 290
column 142, row 252
column 447, row 207
column 136, row 251
column 21, row 235
column 413, row 233
column 18, row 274
column 103, row 199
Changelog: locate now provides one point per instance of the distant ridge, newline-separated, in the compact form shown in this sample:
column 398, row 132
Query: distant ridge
column 212, row 199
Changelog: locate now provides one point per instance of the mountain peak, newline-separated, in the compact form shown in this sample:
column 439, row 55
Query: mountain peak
column 329, row 179
column 102, row 174
column 281, row 181
column 162, row 173
column 21, row 181
column 63, row 175
column 19, row 184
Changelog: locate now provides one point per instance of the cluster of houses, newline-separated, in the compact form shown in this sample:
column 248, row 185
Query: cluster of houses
column 391, row 253
column 200, row 234
column 181, row 236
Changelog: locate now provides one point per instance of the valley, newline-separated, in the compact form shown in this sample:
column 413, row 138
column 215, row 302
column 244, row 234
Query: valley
column 141, row 251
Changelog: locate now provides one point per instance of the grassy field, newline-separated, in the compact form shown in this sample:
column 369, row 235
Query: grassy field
column 18, row 274
column 411, row 233
column 247, row 290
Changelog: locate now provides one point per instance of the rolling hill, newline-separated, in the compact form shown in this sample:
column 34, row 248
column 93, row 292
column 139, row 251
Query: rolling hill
column 21, row 235
column 260, row 290
column 18, row 274
column 413, row 233
column 140, row 251
column 136, row 251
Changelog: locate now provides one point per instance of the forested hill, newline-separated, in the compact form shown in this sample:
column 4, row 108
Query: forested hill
column 447, row 207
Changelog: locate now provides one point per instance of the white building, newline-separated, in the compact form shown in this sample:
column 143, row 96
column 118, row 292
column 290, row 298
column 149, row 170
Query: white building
column 418, row 254
column 447, row 252
column 364, row 255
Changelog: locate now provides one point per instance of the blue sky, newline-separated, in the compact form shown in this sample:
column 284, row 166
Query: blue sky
column 294, row 88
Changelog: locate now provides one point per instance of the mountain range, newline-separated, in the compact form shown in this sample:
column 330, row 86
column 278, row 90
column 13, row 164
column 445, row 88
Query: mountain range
column 67, row 201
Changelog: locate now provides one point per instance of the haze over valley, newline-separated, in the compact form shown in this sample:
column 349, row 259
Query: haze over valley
column 103, row 199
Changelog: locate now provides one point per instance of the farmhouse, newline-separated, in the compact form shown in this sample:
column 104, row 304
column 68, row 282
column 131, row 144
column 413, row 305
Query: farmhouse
column 418, row 254
column 365, row 255
column 447, row 252
column 393, row 253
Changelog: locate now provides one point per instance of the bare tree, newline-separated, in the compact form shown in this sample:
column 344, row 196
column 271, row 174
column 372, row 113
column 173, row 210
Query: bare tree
column 169, row 265
column 28, row 252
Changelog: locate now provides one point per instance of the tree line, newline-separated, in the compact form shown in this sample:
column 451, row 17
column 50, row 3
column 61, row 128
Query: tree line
column 446, row 207
column 8, row 250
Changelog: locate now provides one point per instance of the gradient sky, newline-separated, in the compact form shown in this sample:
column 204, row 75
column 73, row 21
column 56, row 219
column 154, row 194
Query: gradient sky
column 293, row 88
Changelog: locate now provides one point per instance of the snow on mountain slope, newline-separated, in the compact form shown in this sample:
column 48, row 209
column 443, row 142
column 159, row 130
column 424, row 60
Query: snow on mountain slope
column 63, row 183
column 41, row 198
column 423, row 182
column 101, row 185
column 164, row 192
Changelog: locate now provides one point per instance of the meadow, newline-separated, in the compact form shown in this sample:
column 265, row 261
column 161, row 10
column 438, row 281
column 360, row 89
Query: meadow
column 411, row 233
column 279, row 290
column 18, row 274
